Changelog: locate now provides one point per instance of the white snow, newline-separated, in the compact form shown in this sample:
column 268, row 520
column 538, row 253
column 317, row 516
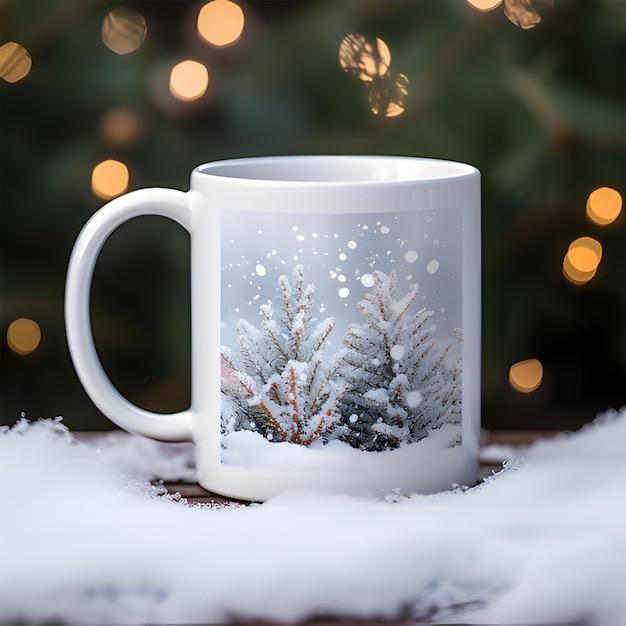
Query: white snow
column 396, row 352
column 367, row 280
column 85, row 539
column 338, row 467
column 432, row 266
column 414, row 398
column 147, row 459
column 377, row 396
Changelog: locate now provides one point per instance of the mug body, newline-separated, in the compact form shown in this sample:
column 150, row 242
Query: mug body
column 335, row 325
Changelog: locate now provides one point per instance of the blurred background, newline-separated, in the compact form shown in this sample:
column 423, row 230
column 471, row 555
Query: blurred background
column 100, row 97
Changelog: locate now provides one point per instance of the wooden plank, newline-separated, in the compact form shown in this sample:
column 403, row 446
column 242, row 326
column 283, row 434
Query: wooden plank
column 515, row 437
column 194, row 493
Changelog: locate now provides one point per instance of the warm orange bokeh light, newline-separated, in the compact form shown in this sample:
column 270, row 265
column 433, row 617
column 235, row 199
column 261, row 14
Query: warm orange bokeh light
column 123, row 30
column 582, row 259
column 109, row 179
column 388, row 95
column 15, row 62
column 604, row 206
column 393, row 110
column 189, row 80
column 525, row 14
column 120, row 127
column 221, row 22
column 526, row 376
column 23, row 336
column 484, row 5
column 363, row 58
column 576, row 276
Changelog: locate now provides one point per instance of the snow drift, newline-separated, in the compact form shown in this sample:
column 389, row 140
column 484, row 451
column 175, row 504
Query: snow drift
column 84, row 537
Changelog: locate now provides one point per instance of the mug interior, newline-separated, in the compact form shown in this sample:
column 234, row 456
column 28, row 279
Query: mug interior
column 337, row 169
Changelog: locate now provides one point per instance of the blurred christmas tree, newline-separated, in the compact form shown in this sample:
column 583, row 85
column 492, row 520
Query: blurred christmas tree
column 531, row 92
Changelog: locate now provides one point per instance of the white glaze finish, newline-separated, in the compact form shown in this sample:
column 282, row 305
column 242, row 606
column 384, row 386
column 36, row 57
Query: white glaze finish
column 295, row 186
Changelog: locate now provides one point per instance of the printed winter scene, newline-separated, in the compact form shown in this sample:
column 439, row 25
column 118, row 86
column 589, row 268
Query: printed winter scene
column 369, row 371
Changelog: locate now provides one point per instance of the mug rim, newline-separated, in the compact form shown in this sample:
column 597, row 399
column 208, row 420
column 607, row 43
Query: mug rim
column 392, row 169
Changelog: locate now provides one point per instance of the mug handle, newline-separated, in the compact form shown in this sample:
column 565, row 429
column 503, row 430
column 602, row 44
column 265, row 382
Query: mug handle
column 169, row 203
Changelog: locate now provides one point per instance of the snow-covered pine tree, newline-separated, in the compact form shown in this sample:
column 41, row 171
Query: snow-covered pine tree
column 283, row 369
column 442, row 392
column 400, row 384
column 234, row 410
column 448, row 396
column 236, row 413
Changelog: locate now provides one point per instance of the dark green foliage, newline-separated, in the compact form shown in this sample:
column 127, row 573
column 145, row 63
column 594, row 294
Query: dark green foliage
column 540, row 112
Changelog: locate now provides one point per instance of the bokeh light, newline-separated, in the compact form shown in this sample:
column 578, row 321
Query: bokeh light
column 109, row 179
column 23, row 336
column 120, row 127
column 526, row 376
column 484, row 5
column 369, row 61
column 221, row 22
column 363, row 58
column 388, row 96
column 582, row 259
column 189, row 80
column 604, row 206
column 525, row 14
column 15, row 62
column 123, row 30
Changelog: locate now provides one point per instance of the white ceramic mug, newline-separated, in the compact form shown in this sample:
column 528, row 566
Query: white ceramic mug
column 335, row 323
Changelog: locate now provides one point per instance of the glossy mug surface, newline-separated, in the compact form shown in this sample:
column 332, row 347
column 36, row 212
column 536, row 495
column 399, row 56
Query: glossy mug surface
column 335, row 323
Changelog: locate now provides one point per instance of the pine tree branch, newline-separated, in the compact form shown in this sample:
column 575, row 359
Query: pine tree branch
column 267, row 327
column 228, row 361
column 397, row 397
column 309, row 390
column 245, row 340
column 322, row 340
column 285, row 296
column 292, row 400
column 320, row 427
column 296, row 342
column 409, row 304
column 266, row 411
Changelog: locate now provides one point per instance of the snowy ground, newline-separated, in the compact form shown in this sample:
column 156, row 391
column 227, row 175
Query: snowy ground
column 427, row 466
column 85, row 538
